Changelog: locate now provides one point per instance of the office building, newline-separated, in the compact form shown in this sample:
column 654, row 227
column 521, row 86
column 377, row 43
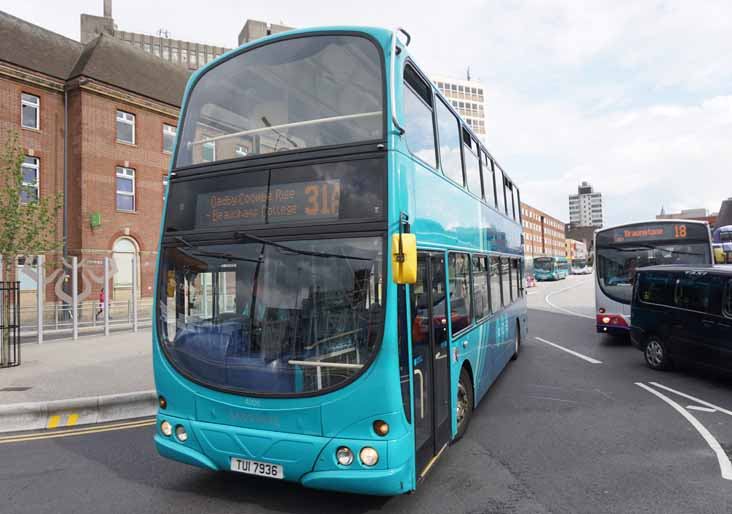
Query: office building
column 468, row 98
column 189, row 54
column 543, row 234
column 586, row 208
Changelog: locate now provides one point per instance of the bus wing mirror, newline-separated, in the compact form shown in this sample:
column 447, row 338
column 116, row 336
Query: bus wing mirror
column 404, row 258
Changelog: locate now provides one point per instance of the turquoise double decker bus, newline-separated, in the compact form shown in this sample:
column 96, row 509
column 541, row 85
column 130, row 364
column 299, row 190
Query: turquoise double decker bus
column 340, row 270
column 551, row 268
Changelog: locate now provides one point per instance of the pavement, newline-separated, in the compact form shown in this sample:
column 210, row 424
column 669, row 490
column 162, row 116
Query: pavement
column 90, row 380
column 577, row 425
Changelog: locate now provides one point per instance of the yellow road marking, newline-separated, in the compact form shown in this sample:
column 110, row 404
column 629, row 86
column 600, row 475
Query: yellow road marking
column 53, row 421
column 77, row 431
column 73, row 418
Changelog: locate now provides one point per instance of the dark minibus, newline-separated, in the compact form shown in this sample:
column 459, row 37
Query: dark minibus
column 683, row 314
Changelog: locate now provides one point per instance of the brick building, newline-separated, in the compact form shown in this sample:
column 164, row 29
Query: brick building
column 96, row 121
column 543, row 234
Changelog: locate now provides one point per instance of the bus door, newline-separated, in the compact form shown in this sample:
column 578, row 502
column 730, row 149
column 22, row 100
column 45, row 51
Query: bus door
column 431, row 359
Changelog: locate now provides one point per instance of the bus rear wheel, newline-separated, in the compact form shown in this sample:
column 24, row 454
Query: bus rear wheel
column 464, row 403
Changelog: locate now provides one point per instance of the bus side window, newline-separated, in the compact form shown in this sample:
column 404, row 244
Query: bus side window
column 458, row 265
column 418, row 118
column 490, row 173
column 495, row 281
column 481, row 285
column 448, row 129
column 516, row 277
column 505, row 281
column 501, row 190
column 472, row 165
column 518, row 203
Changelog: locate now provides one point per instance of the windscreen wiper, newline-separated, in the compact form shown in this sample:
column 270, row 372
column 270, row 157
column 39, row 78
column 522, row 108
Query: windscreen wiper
column 661, row 248
column 218, row 255
column 250, row 237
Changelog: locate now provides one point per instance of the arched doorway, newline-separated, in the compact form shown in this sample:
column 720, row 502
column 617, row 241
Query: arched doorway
column 124, row 250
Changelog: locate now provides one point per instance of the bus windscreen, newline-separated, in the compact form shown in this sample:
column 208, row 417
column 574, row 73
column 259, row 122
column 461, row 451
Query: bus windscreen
column 620, row 251
column 300, row 93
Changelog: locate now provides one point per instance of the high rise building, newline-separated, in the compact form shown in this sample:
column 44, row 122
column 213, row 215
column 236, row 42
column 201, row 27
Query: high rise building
column 467, row 97
column 586, row 208
column 190, row 54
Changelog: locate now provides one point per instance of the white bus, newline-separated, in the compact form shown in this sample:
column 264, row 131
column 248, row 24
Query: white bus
column 620, row 250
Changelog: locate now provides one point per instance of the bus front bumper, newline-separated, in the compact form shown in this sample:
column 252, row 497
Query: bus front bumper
column 307, row 460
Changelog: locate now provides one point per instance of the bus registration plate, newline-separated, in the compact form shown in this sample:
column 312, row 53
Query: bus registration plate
column 252, row 467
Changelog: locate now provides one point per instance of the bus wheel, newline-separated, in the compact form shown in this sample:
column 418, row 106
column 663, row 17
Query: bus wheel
column 656, row 354
column 516, row 343
column 464, row 403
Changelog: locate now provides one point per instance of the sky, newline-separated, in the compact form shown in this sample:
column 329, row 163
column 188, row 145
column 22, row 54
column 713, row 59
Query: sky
column 634, row 97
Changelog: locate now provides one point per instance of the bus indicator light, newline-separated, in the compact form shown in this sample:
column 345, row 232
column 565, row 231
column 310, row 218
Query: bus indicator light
column 381, row 428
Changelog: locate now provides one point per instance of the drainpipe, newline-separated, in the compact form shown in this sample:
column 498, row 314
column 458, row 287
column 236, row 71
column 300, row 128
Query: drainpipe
column 66, row 167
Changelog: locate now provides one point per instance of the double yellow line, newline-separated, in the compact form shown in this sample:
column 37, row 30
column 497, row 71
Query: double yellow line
column 77, row 431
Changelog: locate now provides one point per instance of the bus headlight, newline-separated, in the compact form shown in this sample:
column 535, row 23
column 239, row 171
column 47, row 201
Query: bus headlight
column 181, row 434
column 344, row 456
column 369, row 456
column 166, row 428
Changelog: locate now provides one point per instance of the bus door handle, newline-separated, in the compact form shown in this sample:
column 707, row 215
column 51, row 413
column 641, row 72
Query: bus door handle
column 418, row 373
column 440, row 356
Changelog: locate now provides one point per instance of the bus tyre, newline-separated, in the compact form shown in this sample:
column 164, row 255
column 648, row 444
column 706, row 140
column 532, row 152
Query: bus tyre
column 656, row 354
column 464, row 403
column 516, row 343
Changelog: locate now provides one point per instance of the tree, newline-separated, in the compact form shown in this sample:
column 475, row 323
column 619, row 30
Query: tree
column 28, row 224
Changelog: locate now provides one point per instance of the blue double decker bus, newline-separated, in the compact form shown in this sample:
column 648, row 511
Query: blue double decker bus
column 340, row 270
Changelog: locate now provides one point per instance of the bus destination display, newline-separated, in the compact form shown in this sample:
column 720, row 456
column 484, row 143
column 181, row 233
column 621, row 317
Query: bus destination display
column 664, row 232
column 297, row 201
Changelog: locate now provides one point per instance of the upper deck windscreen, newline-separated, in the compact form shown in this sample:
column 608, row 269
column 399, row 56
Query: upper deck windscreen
column 292, row 94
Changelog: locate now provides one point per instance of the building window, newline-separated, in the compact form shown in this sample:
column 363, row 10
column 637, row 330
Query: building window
column 208, row 151
column 193, row 59
column 126, row 127
column 30, row 107
column 184, row 56
column 156, row 50
column 168, row 137
column 201, row 58
column 125, row 189
column 30, row 169
column 174, row 54
column 148, row 47
column 166, row 53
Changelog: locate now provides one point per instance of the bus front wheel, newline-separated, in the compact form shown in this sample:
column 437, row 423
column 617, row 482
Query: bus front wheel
column 464, row 402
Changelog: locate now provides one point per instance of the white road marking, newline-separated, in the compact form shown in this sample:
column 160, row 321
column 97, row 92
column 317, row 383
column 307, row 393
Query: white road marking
column 725, row 466
column 689, row 397
column 569, row 311
column 571, row 352
column 702, row 409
